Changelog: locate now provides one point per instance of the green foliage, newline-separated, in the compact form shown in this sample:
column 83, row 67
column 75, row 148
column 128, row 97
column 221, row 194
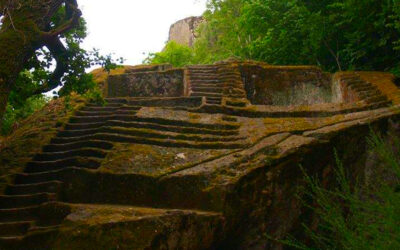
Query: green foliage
column 14, row 114
column 95, row 96
column 26, row 95
column 354, row 216
column 175, row 54
column 333, row 34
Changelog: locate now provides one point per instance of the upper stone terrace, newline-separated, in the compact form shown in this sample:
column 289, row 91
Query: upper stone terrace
column 251, row 89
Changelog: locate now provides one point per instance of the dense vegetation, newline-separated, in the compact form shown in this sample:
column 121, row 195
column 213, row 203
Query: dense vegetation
column 357, row 215
column 336, row 35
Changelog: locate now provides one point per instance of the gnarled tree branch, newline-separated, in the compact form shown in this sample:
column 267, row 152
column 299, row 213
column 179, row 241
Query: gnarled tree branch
column 59, row 52
column 73, row 14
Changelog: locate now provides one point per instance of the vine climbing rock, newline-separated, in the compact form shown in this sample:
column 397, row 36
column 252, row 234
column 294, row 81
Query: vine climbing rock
column 206, row 156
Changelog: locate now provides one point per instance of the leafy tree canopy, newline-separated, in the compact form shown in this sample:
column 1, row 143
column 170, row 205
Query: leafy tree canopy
column 59, row 67
column 336, row 35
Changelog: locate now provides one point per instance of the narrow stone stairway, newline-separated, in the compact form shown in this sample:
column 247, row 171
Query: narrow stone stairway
column 40, row 183
column 215, row 82
column 204, row 81
column 365, row 91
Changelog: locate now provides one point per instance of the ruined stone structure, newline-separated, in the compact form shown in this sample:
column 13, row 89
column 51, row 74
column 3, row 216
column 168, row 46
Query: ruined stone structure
column 184, row 31
column 201, row 157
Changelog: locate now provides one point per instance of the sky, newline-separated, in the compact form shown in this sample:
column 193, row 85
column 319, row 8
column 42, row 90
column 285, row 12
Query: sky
column 132, row 28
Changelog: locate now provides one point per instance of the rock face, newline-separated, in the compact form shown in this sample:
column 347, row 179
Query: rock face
column 184, row 31
column 212, row 166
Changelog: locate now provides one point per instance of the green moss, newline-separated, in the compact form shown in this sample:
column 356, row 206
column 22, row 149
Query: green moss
column 36, row 131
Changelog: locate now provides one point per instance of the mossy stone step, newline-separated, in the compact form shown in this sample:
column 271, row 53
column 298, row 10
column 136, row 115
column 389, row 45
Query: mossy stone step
column 363, row 88
column 376, row 99
column 157, row 141
column 26, row 200
column 230, row 73
column 74, row 146
column 207, row 89
column 96, row 113
column 46, row 166
column 203, row 77
column 145, row 125
column 99, row 108
column 140, row 132
column 355, row 84
column 41, row 177
column 18, row 214
column 161, row 121
column 44, row 187
column 110, row 109
column 219, row 85
column 214, row 102
column 107, row 105
column 206, row 94
column 204, row 81
column 368, row 93
column 17, row 228
column 81, row 152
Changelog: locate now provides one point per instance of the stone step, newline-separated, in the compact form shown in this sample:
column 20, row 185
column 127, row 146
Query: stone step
column 208, row 143
column 109, row 104
column 382, row 104
column 368, row 93
column 74, row 146
column 161, row 121
column 203, row 77
column 358, row 84
column 97, row 113
column 46, row 166
column 109, row 109
column 116, row 102
column 43, row 187
column 145, row 125
column 99, row 108
column 219, row 85
column 237, row 103
column 206, row 94
column 42, row 177
column 27, row 200
column 19, row 228
column 207, row 89
column 18, row 214
column 214, row 102
column 376, row 99
column 230, row 73
column 80, row 135
column 82, row 152
column 205, row 81
column 363, row 88
column 202, row 72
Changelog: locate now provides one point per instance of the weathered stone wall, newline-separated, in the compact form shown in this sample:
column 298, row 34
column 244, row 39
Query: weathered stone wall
column 168, row 83
column 184, row 31
column 284, row 86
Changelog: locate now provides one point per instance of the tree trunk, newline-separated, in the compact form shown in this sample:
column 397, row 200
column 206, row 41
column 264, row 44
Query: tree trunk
column 4, row 94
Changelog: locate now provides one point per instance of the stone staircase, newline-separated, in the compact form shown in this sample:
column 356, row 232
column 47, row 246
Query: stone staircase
column 365, row 91
column 215, row 82
column 204, row 82
column 84, row 143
